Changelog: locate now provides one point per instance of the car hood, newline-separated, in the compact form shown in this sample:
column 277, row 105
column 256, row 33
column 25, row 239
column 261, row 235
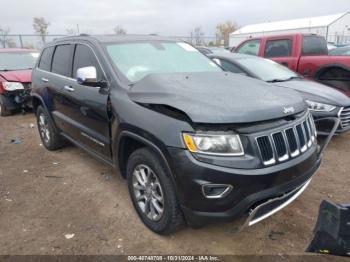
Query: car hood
column 24, row 76
column 217, row 97
column 317, row 92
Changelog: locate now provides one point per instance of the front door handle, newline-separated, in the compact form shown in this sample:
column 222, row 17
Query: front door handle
column 69, row 88
column 44, row 79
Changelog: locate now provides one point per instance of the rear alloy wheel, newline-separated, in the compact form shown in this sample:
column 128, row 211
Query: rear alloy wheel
column 44, row 128
column 153, row 192
column 50, row 138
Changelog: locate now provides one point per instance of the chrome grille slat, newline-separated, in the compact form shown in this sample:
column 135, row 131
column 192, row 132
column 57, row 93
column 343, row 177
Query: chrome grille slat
column 288, row 143
column 344, row 116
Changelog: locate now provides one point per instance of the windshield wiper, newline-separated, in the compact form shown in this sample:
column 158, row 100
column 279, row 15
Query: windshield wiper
column 284, row 80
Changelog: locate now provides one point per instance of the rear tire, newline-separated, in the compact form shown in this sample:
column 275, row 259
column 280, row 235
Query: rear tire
column 3, row 110
column 50, row 138
column 153, row 193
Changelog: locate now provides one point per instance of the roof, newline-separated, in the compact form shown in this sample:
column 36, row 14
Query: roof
column 10, row 50
column 117, row 38
column 318, row 21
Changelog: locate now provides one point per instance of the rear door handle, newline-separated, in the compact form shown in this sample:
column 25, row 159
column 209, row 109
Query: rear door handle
column 69, row 88
column 44, row 79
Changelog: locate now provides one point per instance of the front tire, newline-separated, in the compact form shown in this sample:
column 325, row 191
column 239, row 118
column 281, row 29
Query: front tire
column 50, row 138
column 3, row 109
column 152, row 192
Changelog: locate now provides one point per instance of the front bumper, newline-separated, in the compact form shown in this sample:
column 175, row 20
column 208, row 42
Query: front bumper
column 17, row 99
column 252, row 188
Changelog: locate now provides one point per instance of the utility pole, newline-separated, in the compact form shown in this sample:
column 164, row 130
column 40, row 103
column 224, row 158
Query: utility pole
column 78, row 29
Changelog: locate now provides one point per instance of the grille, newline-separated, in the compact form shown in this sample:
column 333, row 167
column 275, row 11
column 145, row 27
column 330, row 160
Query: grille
column 287, row 143
column 27, row 85
column 345, row 117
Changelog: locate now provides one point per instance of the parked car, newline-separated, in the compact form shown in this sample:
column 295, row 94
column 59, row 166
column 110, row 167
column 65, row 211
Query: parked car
column 340, row 51
column 303, row 53
column 211, row 50
column 323, row 101
column 196, row 144
column 15, row 78
column 331, row 46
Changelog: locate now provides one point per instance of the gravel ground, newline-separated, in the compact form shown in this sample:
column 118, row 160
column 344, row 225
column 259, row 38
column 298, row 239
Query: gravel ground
column 47, row 197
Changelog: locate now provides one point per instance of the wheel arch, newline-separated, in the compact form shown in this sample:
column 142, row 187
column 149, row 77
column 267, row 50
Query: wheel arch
column 324, row 69
column 37, row 101
column 128, row 142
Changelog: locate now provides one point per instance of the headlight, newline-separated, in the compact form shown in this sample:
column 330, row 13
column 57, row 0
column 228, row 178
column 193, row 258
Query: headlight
column 316, row 106
column 224, row 145
column 12, row 86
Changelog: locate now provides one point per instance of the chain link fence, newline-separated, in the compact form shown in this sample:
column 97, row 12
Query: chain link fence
column 339, row 39
column 26, row 41
column 37, row 41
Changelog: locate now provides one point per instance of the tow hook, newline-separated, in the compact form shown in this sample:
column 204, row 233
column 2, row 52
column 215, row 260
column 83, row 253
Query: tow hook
column 330, row 135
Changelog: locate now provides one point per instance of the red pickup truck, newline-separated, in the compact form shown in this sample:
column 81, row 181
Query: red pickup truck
column 306, row 54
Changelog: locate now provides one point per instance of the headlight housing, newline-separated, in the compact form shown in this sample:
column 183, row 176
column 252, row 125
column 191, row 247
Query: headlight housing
column 210, row 144
column 12, row 86
column 316, row 106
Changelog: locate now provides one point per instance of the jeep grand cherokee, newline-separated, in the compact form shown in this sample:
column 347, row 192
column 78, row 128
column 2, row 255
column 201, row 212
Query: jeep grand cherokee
column 196, row 144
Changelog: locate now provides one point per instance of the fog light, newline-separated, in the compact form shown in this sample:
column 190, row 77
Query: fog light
column 216, row 190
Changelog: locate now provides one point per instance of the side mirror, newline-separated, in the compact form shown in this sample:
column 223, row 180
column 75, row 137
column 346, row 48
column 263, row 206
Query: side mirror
column 217, row 61
column 87, row 76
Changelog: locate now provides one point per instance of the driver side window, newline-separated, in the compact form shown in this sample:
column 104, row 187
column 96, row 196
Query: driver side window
column 250, row 47
column 83, row 57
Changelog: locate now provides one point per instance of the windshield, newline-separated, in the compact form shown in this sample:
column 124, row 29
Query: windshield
column 137, row 60
column 267, row 70
column 17, row 61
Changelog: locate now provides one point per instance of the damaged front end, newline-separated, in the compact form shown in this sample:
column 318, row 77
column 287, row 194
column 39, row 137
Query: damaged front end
column 15, row 95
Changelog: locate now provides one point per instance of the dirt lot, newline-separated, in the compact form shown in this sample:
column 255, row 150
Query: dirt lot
column 46, row 195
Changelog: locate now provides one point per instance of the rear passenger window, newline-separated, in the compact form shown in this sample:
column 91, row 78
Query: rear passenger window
column 45, row 60
column 250, row 47
column 278, row 48
column 84, row 57
column 61, row 63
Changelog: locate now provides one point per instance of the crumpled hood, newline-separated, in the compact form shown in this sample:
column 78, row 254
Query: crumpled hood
column 23, row 76
column 315, row 91
column 217, row 97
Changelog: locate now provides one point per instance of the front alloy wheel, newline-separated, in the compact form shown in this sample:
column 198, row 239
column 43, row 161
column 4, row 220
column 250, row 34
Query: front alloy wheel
column 153, row 192
column 148, row 192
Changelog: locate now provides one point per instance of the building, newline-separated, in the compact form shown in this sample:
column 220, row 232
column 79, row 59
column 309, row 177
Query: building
column 335, row 28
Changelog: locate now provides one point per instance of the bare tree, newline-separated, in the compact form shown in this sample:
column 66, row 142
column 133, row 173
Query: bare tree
column 40, row 26
column 119, row 30
column 197, row 35
column 4, row 40
column 224, row 30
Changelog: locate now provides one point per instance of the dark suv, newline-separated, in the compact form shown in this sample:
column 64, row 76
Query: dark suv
column 195, row 144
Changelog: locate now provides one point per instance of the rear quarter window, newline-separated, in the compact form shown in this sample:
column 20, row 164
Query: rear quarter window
column 45, row 59
column 314, row 45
